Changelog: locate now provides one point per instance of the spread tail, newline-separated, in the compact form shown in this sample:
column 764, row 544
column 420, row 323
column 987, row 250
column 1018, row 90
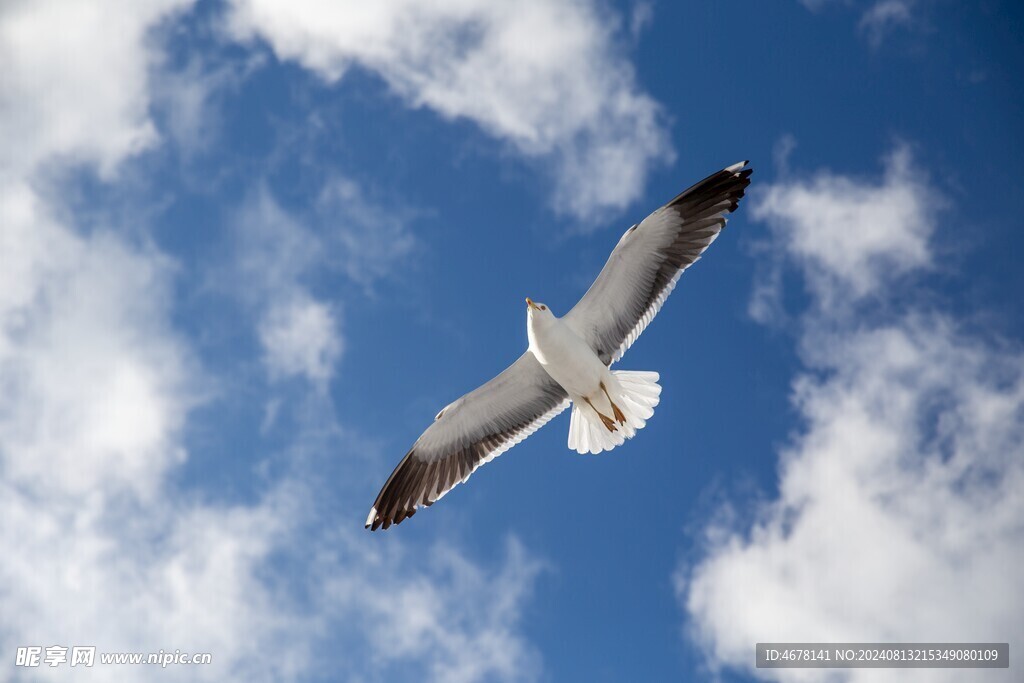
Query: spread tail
column 596, row 426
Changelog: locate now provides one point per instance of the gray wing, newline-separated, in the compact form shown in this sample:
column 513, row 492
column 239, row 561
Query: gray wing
column 473, row 430
column 648, row 260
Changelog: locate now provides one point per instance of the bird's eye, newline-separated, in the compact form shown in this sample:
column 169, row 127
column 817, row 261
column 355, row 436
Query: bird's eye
column 543, row 308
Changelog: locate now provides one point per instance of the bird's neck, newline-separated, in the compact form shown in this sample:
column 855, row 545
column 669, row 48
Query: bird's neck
column 543, row 333
column 534, row 333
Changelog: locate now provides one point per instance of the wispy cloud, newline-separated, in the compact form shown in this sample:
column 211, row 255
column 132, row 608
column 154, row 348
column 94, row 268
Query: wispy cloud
column 371, row 238
column 458, row 622
column 299, row 333
column 879, row 19
column 884, row 17
column 187, row 97
column 547, row 77
column 899, row 515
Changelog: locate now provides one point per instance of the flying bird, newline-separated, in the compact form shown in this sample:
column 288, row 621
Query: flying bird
column 569, row 358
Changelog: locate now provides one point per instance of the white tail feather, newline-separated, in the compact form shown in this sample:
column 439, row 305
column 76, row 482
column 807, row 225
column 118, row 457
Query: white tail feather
column 635, row 393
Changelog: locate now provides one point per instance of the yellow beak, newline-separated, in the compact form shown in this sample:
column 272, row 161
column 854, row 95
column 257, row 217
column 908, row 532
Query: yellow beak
column 529, row 303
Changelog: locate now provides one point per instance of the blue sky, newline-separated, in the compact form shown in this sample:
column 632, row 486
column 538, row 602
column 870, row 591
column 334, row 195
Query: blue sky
column 251, row 247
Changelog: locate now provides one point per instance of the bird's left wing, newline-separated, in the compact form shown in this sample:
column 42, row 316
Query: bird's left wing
column 648, row 260
column 473, row 430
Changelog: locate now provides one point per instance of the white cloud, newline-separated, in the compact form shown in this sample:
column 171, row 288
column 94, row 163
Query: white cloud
column 900, row 516
column 75, row 90
column 95, row 383
column 75, row 79
column 545, row 76
column 300, row 336
column 853, row 239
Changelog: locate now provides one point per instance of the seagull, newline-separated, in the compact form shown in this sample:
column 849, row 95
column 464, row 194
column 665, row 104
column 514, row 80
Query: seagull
column 568, row 360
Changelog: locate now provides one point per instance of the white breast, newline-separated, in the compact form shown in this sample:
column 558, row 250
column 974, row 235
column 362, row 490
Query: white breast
column 567, row 358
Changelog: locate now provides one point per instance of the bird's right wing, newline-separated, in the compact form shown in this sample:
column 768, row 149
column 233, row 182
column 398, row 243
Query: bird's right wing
column 472, row 431
column 648, row 260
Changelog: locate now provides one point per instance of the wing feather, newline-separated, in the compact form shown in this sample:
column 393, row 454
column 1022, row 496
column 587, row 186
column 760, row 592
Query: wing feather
column 645, row 265
column 466, row 434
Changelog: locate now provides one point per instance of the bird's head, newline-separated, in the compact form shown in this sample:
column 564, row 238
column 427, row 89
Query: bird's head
column 536, row 311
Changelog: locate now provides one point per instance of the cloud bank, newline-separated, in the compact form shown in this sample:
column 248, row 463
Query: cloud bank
column 546, row 77
column 100, row 541
column 900, row 514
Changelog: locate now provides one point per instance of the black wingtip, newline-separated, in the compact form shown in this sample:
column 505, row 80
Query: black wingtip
column 736, row 178
column 383, row 520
